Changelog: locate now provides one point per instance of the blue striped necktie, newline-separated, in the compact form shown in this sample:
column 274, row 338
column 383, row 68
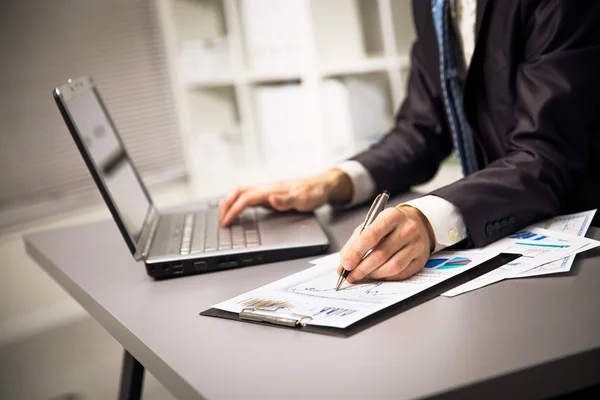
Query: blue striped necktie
column 462, row 136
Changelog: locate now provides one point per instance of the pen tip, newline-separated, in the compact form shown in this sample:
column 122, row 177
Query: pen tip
column 340, row 283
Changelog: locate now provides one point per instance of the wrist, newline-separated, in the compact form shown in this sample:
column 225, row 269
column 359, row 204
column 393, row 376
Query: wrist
column 338, row 186
column 415, row 212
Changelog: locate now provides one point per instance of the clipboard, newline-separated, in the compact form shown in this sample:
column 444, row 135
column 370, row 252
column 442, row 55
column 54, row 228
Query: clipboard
column 285, row 319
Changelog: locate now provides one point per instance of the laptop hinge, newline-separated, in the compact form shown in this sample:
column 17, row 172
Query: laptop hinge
column 146, row 235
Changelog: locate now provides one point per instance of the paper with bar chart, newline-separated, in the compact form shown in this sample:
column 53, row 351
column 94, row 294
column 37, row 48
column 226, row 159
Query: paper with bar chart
column 538, row 246
column 312, row 292
column 572, row 224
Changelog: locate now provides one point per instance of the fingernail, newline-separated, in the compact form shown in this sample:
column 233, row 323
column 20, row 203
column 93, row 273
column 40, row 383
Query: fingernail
column 347, row 265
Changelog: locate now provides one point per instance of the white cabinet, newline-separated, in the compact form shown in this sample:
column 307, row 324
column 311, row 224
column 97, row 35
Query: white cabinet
column 272, row 89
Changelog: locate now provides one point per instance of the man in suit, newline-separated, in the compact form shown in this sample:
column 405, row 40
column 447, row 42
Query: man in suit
column 513, row 86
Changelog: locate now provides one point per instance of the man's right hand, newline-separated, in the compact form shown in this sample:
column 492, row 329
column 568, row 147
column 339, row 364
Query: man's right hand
column 304, row 194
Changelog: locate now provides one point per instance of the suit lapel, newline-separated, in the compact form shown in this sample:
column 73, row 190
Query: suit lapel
column 481, row 9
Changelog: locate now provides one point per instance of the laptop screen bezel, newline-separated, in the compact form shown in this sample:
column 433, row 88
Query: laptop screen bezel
column 68, row 91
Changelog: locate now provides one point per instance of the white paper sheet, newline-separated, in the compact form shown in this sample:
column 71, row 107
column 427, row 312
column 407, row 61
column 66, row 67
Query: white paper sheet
column 538, row 246
column 312, row 292
column 573, row 224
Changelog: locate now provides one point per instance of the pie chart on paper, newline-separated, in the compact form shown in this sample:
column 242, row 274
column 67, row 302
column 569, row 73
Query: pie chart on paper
column 455, row 262
column 447, row 263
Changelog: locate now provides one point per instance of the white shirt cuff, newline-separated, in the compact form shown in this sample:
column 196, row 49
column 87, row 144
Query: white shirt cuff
column 362, row 182
column 446, row 220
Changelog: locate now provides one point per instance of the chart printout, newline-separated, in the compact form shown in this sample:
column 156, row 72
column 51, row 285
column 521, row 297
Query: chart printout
column 572, row 224
column 538, row 246
column 312, row 292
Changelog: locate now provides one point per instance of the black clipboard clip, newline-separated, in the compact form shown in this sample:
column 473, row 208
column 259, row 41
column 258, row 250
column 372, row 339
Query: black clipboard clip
column 279, row 316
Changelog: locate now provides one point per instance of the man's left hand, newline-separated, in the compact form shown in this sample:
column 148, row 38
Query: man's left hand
column 401, row 240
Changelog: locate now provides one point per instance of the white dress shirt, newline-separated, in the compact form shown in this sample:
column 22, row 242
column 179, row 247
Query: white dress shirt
column 445, row 219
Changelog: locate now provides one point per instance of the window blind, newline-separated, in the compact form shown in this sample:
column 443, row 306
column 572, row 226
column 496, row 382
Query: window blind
column 44, row 43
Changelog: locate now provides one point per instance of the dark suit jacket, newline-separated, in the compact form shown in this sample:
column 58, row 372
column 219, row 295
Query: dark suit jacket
column 532, row 97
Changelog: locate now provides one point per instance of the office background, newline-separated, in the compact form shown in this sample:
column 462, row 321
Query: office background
column 207, row 94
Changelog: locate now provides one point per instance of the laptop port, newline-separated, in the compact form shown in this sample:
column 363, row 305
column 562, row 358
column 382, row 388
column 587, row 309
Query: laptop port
column 223, row 264
column 200, row 266
column 246, row 260
column 177, row 269
column 232, row 263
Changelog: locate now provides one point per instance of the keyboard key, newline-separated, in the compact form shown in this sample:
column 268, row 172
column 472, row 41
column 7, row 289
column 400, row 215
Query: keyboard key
column 252, row 238
column 186, row 237
column 212, row 227
column 198, row 234
column 224, row 239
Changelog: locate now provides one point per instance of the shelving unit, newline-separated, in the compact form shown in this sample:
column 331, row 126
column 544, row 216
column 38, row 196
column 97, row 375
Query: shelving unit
column 355, row 42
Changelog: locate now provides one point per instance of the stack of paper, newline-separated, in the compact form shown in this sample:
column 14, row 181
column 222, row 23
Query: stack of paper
column 276, row 34
column 285, row 133
column 572, row 224
column 355, row 113
column 205, row 59
column 547, row 247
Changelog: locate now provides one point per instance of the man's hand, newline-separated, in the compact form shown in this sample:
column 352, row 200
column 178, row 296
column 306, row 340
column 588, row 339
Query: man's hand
column 305, row 194
column 401, row 240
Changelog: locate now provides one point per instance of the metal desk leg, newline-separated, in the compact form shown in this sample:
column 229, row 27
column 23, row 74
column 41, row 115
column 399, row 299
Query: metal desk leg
column 132, row 378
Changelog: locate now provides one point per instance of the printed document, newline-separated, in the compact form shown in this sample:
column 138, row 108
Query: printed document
column 572, row 224
column 538, row 246
column 312, row 292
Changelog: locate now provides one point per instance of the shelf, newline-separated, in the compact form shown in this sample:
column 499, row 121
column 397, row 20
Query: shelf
column 250, row 78
column 189, row 13
column 268, row 77
column 241, row 60
column 380, row 64
column 210, row 83
column 346, row 30
column 212, row 109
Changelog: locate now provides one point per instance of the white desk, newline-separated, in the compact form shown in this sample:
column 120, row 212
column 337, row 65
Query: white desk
column 537, row 337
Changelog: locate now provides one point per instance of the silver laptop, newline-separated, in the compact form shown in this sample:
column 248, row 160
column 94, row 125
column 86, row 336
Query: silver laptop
column 183, row 243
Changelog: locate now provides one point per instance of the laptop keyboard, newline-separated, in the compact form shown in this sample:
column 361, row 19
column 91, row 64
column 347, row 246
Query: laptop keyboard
column 201, row 232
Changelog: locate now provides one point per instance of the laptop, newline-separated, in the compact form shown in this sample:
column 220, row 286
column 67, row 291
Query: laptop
column 184, row 243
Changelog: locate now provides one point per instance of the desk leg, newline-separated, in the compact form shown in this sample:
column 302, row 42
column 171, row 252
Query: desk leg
column 132, row 378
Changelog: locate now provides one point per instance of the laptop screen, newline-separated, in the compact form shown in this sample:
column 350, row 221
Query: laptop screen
column 111, row 162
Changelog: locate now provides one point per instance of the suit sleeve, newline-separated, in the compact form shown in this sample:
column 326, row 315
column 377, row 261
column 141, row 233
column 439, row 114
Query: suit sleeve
column 547, row 152
column 410, row 154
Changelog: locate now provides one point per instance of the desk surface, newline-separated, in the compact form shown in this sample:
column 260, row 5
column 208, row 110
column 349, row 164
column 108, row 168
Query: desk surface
column 540, row 335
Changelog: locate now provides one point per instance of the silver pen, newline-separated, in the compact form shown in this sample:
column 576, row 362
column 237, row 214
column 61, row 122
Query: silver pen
column 378, row 206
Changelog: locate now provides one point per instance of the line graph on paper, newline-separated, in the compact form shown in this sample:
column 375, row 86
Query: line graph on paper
column 323, row 286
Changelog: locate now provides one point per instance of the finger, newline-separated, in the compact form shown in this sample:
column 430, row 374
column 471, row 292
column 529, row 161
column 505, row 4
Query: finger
column 371, row 236
column 383, row 253
column 229, row 200
column 350, row 242
column 414, row 267
column 246, row 199
column 395, row 264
